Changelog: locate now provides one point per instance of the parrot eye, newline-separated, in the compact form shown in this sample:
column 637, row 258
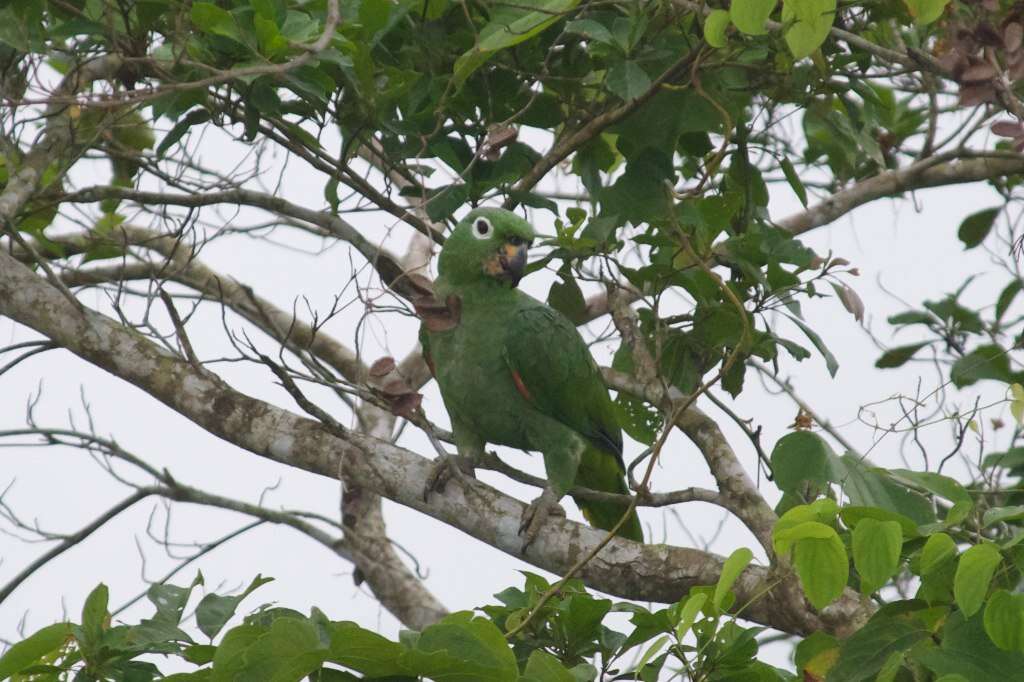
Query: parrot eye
column 482, row 228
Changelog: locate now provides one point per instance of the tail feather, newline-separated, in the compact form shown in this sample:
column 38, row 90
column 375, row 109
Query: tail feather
column 600, row 470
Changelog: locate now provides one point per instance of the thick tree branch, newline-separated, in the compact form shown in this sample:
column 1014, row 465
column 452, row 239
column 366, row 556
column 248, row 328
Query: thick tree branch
column 937, row 171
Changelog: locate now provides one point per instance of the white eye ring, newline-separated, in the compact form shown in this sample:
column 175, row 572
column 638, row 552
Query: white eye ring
column 482, row 228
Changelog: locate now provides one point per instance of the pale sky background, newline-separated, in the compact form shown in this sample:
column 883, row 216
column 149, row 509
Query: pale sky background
column 909, row 246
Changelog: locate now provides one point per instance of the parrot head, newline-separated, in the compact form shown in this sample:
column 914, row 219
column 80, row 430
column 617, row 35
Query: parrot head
column 488, row 244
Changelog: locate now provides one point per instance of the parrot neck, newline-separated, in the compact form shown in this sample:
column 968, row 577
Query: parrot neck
column 483, row 288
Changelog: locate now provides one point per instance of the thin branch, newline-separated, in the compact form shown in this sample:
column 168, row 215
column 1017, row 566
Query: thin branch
column 71, row 540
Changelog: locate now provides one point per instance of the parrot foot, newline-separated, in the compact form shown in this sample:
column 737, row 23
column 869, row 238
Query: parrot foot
column 445, row 468
column 536, row 514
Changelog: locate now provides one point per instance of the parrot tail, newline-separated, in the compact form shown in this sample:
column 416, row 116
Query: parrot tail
column 600, row 470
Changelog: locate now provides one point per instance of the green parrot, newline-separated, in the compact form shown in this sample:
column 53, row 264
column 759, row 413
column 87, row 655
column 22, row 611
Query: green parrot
column 513, row 371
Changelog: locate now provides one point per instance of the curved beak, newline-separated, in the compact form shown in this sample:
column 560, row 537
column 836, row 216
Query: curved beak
column 512, row 259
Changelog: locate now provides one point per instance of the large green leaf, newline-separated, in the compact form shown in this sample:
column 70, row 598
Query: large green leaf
column 864, row 653
column 462, row 647
column 1004, row 620
column 967, row 650
column 926, row 11
column 30, row 650
column 509, row 26
column 974, row 575
column 985, row 362
column 876, row 552
column 214, row 610
column 809, row 24
column 210, row 18
column 749, row 16
column 976, row 227
column 801, row 456
column 819, row 558
column 870, row 487
column 364, row 651
column 543, row 667
column 731, row 570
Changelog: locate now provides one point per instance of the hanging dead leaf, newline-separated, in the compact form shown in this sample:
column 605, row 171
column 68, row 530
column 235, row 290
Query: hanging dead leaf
column 382, row 367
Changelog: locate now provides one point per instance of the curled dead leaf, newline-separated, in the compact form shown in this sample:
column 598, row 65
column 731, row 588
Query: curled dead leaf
column 382, row 367
column 972, row 95
column 498, row 137
column 852, row 302
column 1008, row 128
column 979, row 73
column 1013, row 36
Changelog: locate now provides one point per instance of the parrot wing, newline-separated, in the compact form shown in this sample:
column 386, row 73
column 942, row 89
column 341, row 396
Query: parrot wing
column 552, row 368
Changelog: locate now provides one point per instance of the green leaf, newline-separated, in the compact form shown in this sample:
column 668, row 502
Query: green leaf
column 1010, row 459
column 749, row 16
column 731, row 570
column 543, row 667
column 288, row 651
column 810, row 22
column 830, row 360
column 823, row 568
column 801, row 456
column 973, row 576
column 871, row 487
column 509, row 26
column 853, row 514
column 863, row 654
column 714, row 28
column 364, row 651
column 170, row 600
column 628, row 80
column 897, row 357
column 94, row 615
column 794, row 180
column 968, row 651
column 976, row 227
column 937, row 550
column 940, row 485
column 999, row 514
column 214, row 611
column 876, row 552
column 818, row 554
column 1006, row 297
column 194, row 117
column 811, row 648
column 689, row 612
column 1017, row 402
column 926, row 11
column 591, row 29
column 31, row 650
column 565, row 297
column 985, row 362
column 1004, row 620
column 210, row 18
column 462, row 647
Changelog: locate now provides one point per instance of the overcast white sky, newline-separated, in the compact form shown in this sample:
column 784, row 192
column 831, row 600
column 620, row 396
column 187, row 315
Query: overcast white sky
column 907, row 246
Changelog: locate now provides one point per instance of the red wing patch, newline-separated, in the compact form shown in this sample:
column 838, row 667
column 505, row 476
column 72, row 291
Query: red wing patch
column 520, row 386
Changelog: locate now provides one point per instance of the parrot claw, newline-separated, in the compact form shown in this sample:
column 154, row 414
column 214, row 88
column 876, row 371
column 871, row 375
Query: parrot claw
column 536, row 514
column 445, row 468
